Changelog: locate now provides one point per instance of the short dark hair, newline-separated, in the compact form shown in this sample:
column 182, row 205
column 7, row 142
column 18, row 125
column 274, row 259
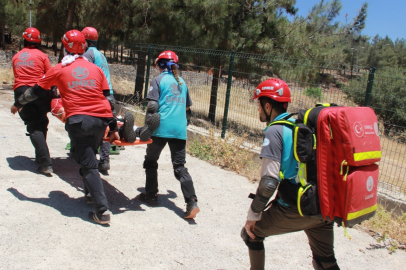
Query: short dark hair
column 279, row 107
column 31, row 44
column 91, row 43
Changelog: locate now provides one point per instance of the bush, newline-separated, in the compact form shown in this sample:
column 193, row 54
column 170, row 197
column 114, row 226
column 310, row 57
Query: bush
column 313, row 92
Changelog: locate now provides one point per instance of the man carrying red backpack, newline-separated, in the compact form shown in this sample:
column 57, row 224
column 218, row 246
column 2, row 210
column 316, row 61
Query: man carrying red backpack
column 279, row 164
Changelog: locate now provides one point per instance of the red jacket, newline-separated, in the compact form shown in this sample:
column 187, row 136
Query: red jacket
column 81, row 86
column 29, row 65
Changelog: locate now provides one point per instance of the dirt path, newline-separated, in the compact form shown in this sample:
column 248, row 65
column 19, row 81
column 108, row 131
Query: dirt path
column 44, row 219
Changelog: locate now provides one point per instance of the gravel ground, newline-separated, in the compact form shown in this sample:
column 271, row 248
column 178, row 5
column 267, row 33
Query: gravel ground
column 45, row 226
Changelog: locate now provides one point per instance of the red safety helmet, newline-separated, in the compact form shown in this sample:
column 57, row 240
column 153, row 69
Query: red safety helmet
column 32, row 35
column 90, row 33
column 74, row 42
column 169, row 55
column 275, row 89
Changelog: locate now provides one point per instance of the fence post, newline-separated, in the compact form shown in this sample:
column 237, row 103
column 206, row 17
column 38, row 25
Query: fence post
column 121, row 53
column 368, row 94
column 147, row 74
column 230, row 79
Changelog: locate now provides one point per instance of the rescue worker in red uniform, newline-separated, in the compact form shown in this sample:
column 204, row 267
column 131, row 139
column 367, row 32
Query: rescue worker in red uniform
column 83, row 89
column 94, row 56
column 29, row 65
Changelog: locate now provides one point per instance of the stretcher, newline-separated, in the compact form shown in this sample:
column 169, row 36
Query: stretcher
column 123, row 142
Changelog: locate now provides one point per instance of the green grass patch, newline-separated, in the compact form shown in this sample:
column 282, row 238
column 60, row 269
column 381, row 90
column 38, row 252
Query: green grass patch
column 314, row 92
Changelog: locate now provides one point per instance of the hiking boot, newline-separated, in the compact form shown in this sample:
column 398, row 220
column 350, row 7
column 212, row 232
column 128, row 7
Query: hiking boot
column 104, row 165
column 152, row 122
column 128, row 129
column 45, row 169
column 149, row 199
column 100, row 217
column 191, row 209
column 88, row 198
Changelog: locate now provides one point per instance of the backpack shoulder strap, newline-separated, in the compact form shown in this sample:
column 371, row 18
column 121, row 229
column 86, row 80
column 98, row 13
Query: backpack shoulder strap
column 284, row 121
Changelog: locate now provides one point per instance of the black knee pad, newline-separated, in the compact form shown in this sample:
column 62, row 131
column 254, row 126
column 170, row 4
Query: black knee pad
column 257, row 244
column 150, row 164
column 325, row 263
column 180, row 171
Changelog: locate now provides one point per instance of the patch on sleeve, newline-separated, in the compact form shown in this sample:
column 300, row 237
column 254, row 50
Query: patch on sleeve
column 266, row 142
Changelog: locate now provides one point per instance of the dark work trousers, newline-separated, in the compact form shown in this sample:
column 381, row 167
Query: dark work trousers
column 178, row 156
column 86, row 133
column 279, row 219
column 105, row 151
column 105, row 146
column 34, row 115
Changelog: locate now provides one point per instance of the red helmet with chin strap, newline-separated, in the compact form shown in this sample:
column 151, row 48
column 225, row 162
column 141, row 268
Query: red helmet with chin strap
column 32, row 35
column 90, row 33
column 169, row 55
column 275, row 89
column 74, row 42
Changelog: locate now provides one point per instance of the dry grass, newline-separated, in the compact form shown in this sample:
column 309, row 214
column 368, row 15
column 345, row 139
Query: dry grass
column 229, row 153
column 122, row 86
column 388, row 225
column 392, row 165
column 7, row 75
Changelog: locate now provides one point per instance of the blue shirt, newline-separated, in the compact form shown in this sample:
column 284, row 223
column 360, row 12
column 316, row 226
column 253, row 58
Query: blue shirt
column 173, row 100
column 97, row 58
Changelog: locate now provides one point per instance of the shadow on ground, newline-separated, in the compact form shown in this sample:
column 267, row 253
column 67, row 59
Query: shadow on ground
column 68, row 170
column 164, row 200
column 23, row 163
column 60, row 201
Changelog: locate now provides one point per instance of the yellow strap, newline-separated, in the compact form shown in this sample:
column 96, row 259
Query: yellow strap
column 281, row 176
column 282, row 122
column 367, row 155
column 295, row 143
column 346, row 173
column 306, row 116
column 301, row 191
column 362, row 212
column 331, row 131
column 345, row 230
column 315, row 141
column 302, row 174
column 299, row 194
column 323, row 104
column 342, row 165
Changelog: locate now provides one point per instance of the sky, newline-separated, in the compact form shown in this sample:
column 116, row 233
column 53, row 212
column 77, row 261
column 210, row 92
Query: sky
column 384, row 17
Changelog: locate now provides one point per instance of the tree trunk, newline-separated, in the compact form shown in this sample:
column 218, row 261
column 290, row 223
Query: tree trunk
column 55, row 44
column 387, row 128
column 213, row 95
column 352, row 63
column 139, row 80
column 3, row 41
column 121, row 53
column 69, row 23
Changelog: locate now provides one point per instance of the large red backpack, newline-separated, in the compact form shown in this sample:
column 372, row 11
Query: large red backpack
column 336, row 148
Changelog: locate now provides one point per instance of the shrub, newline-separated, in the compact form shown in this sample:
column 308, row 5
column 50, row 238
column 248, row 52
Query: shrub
column 313, row 92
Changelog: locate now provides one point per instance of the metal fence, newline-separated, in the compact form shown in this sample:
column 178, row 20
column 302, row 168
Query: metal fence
column 221, row 85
